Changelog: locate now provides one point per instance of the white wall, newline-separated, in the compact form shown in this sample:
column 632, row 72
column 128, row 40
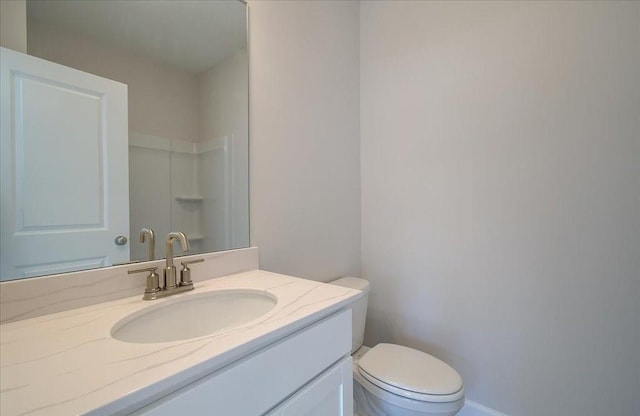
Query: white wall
column 500, row 196
column 304, row 148
column 223, row 97
column 150, row 200
column 163, row 101
column 224, row 104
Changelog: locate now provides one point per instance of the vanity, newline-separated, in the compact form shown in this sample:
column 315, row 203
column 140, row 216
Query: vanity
column 291, row 360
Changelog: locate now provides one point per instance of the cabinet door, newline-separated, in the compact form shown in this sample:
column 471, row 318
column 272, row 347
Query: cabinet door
column 330, row 394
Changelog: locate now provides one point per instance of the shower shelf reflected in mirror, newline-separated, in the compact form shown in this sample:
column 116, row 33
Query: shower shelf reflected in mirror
column 195, row 198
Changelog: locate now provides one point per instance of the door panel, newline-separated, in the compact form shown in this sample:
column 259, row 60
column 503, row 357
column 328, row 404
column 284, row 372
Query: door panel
column 64, row 168
column 44, row 167
column 328, row 395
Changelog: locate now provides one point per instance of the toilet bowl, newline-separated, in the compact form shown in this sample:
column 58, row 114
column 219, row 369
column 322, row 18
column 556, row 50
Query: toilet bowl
column 394, row 380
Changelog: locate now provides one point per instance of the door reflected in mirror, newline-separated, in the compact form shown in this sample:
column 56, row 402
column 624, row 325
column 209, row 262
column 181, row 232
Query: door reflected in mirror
column 123, row 116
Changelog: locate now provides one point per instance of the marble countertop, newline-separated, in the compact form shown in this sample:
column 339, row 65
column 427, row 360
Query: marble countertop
column 68, row 363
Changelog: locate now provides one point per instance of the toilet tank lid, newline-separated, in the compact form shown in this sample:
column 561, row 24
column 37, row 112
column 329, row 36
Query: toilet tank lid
column 352, row 283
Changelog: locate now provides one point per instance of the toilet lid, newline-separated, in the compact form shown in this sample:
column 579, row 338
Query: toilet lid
column 408, row 369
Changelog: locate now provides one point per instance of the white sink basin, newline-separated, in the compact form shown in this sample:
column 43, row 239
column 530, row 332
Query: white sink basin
column 193, row 316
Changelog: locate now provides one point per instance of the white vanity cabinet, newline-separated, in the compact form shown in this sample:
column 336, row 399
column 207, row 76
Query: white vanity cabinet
column 305, row 373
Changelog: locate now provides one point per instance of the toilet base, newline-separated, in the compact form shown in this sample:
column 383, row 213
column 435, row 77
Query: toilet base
column 366, row 404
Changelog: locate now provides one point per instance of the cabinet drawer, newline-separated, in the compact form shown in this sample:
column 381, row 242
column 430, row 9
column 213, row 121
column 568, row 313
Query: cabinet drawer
column 258, row 382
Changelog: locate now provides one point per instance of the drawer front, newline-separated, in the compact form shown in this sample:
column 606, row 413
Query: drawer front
column 260, row 381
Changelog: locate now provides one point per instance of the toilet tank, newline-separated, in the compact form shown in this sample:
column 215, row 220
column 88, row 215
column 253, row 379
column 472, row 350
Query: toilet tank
column 358, row 308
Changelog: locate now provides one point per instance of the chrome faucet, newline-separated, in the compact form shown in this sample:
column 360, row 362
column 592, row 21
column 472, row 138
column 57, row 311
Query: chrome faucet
column 147, row 233
column 170, row 269
column 171, row 286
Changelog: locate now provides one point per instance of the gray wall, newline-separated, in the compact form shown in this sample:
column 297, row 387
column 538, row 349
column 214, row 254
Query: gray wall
column 304, row 129
column 13, row 25
column 500, row 196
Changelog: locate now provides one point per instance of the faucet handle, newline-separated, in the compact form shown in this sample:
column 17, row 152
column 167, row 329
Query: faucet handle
column 185, row 272
column 153, row 282
column 184, row 263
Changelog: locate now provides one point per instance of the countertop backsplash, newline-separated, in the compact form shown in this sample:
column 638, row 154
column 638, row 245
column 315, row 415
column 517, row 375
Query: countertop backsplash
column 29, row 298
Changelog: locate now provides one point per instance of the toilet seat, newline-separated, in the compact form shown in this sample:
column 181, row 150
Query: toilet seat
column 422, row 407
column 411, row 374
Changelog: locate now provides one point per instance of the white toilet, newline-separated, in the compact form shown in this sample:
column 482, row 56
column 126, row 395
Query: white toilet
column 392, row 380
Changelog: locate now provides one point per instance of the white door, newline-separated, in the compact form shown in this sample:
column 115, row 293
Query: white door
column 63, row 168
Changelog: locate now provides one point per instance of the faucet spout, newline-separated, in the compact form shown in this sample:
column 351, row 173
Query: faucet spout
column 148, row 233
column 184, row 244
column 170, row 269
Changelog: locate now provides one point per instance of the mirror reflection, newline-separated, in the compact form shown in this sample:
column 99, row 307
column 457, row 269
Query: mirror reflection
column 126, row 118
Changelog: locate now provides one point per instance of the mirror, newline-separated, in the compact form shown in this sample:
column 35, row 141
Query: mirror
column 123, row 116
